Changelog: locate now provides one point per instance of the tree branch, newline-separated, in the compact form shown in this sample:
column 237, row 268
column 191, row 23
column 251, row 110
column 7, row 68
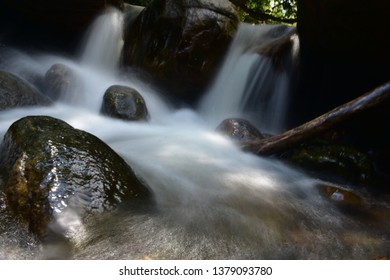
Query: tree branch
column 298, row 135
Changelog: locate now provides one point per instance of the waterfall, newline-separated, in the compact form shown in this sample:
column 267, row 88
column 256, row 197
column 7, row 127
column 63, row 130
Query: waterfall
column 249, row 85
column 103, row 45
column 213, row 201
column 100, row 53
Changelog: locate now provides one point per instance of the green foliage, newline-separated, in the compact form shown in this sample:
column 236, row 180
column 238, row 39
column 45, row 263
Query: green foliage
column 267, row 11
column 285, row 8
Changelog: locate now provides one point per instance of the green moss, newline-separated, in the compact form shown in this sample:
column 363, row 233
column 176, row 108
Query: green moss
column 335, row 160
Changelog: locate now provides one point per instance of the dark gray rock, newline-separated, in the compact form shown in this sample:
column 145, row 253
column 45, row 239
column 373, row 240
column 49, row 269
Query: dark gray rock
column 58, row 80
column 333, row 161
column 16, row 92
column 240, row 130
column 124, row 103
column 181, row 43
column 47, row 166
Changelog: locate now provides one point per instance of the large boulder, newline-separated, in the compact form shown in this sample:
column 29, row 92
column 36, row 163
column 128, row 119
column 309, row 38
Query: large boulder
column 49, row 24
column 180, row 43
column 47, row 166
column 16, row 92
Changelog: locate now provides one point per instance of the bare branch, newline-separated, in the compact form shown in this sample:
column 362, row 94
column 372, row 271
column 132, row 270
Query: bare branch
column 298, row 135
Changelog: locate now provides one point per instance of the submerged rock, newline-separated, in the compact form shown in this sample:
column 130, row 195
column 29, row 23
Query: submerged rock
column 341, row 196
column 124, row 103
column 181, row 43
column 239, row 130
column 47, row 166
column 16, row 92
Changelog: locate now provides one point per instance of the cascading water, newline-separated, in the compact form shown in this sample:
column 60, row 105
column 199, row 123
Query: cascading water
column 249, row 84
column 213, row 200
column 103, row 45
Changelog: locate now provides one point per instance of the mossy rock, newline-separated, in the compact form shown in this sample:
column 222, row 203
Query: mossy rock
column 334, row 161
column 47, row 166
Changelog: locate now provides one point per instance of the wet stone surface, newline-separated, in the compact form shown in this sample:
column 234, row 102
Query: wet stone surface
column 48, row 166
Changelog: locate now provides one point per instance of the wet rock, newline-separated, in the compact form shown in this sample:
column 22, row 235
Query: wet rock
column 58, row 80
column 124, row 103
column 239, row 130
column 341, row 196
column 181, row 43
column 47, row 167
column 334, row 161
column 16, row 242
column 16, row 92
column 15, row 61
column 277, row 44
column 353, row 202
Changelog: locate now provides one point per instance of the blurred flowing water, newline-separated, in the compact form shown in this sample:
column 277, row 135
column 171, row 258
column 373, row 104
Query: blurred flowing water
column 103, row 43
column 213, row 201
column 249, row 83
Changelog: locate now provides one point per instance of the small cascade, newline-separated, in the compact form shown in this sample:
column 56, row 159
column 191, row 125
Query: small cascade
column 101, row 53
column 103, row 45
column 252, row 82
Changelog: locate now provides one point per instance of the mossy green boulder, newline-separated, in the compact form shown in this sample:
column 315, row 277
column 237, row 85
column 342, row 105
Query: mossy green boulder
column 47, row 166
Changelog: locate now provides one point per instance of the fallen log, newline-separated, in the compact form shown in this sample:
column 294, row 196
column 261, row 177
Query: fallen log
column 288, row 139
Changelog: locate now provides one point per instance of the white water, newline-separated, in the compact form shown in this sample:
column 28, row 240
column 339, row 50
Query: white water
column 213, row 200
column 248, row 85
column 103, row 45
